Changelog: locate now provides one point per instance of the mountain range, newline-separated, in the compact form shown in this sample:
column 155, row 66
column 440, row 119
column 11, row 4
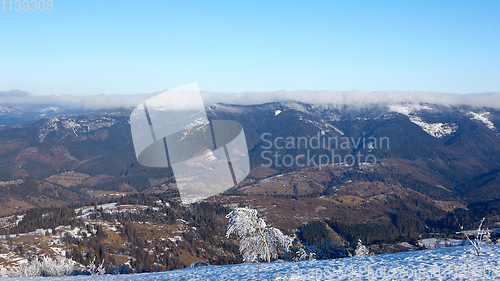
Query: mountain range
column 453, row 151
column 448, row 155
column 428, row 166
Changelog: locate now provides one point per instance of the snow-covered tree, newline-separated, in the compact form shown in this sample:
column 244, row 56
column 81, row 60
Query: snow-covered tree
column 487, row 237
column 45, row 266
column 302, row 255
column 59, row 266
column 256, row 239
column 481, row 236
column 361, row 250
column 4, row 272
column 324, row 250
column 96, row 270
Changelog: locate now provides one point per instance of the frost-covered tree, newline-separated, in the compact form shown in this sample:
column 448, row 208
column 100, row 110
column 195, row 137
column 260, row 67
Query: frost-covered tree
column 487, row 237
column 482, row 236
column 256, row 239
column 96, row 270
column 45, row 266
column 302, row 255
column 361, row 250
column 324, row 250
column 3, row 272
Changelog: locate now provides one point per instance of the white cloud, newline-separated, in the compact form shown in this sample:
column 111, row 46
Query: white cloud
column 356, row 98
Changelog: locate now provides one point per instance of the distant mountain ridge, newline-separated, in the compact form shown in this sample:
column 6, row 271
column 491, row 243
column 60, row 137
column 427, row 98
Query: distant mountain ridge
column 439, row 162
column 457, row 148
column 18, row 116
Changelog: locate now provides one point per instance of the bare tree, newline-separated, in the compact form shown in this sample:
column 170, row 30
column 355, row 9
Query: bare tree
column 96, row 270
column 482, row 236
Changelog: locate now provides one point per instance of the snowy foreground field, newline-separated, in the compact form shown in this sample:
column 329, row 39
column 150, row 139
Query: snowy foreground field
column 456, row 263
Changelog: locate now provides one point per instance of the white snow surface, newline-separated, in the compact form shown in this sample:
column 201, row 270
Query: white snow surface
column 454, row 263
column 408, row 109
column 74, row 125
column 483, row 117
column 437, row 130
column 435, row 243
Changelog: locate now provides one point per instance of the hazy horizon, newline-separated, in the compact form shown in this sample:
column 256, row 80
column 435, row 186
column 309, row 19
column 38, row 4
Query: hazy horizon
column 353, row 98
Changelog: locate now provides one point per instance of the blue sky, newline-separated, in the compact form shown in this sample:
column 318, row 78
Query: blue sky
column 128, row 47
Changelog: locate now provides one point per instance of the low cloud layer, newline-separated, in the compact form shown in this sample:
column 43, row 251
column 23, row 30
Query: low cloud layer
column 23, row 99
column 358, row 98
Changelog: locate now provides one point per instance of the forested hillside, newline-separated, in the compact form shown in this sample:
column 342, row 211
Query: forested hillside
column 73, row 183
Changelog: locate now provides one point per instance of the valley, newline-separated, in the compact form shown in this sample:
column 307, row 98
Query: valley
column 71, row 186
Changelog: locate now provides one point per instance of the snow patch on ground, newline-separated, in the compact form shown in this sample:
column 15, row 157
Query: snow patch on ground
column 483, row 117
column 407, row 109
column 49, row 127
column 73, row 125
column 437, row 130
column 436, row 243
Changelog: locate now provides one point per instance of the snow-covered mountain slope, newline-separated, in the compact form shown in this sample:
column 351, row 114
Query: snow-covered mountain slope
column 456, row 263
column 437, row 130
column 75, row 125
column 483, row 117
